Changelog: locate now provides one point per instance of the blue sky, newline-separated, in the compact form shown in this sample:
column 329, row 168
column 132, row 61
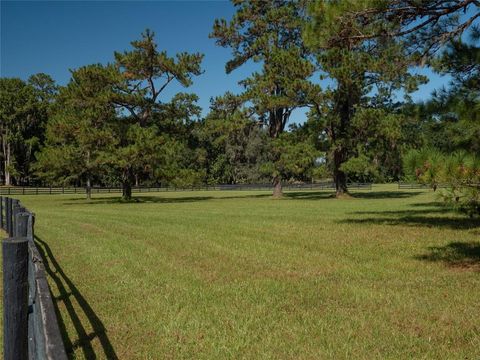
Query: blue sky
column 55, row 36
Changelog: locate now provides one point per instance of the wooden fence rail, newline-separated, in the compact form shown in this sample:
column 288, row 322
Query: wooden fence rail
column 30, row 326
column 23, row 190
column 406, row 185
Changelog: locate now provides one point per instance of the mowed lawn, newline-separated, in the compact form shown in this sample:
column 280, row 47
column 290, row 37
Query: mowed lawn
column 387, row 274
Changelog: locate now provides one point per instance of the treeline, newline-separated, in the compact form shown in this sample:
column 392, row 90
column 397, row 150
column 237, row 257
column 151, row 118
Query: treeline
column 111, row 125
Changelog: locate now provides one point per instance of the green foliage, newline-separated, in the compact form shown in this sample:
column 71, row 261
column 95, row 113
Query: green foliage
column 452, row 126
column 459, row 171
column 146, row 72
column 111, row 125
column 320, row 173
column 360, row 169
column 380, row 136
column 462, row 173
column 424, row 26
column 81, row 126
column 364, row 74
column 235, row 145
column 455, row 111
column 24, row 108
column 292, row 160
column 269, row 33
column 425, row 165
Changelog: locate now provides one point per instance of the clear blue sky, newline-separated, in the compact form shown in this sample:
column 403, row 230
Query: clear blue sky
column 55, row 36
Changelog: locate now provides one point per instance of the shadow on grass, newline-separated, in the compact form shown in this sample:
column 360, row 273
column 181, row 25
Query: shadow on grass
column 156, row 199
column 456, row 254
column 429, row 204
column 309, row 195
column 400, row 213
column 385, row 194
column 319, row 195
column 69, row 292
column 432, row 215
column 292, row 194
column 455, row 223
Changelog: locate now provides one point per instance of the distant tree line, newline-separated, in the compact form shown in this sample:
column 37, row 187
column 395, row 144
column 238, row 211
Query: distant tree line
column 111, row 125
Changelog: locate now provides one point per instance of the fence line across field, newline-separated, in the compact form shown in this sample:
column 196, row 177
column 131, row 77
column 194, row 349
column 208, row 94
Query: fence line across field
column 28, row 190
column 30, row 327
column 407, row 185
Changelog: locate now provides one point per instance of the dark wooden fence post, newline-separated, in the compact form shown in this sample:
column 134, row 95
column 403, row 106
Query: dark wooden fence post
column 8, row 214
column 21, row 224
column 31, row 226
column 1, row 212
column 12, row 217
column 15, row 210
column 15, row 298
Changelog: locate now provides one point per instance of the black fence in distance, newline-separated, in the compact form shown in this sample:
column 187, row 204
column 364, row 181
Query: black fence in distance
column 24, row 190
column 30, row 325
column 406, row 185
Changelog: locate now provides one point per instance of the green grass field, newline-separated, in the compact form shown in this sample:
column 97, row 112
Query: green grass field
column 387, row 274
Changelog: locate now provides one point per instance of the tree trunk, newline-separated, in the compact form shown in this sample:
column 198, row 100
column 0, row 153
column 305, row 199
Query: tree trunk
column 89, row 189
column 6, row 151
column 89, row 184
column 128, row 179
column 339, row 177
column 4, row 157
column 348, row 97
column 277, row 188
column 127, row 190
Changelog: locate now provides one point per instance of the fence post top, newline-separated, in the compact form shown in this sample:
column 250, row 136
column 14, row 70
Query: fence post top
column 23, row 213
column 15, row 240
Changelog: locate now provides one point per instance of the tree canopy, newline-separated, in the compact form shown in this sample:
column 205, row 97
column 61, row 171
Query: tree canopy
column 351, row 65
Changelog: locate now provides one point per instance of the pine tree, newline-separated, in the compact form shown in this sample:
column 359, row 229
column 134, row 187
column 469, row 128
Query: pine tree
column 80, row 132
column 145, row 72
column 269, row 32
column 363, row 73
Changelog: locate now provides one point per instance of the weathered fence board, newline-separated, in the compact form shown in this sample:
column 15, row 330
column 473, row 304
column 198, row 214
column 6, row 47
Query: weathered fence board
column 46, row 332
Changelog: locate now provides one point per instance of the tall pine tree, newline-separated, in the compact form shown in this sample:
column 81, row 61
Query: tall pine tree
column 269, row 33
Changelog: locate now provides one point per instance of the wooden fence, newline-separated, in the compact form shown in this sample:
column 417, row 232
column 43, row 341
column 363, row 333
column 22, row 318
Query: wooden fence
column 30, row 326
column 19, row 190
column 405, row 185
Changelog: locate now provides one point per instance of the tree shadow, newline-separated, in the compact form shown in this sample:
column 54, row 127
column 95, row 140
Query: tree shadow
column 155, row 199
column 319, row 195
column 429, row 204
column 464, row 255
column 288, row 194
column 428, row 214
column 309, row 195
column 454, row 223
column 385, row 194
column 136, row 200
column 397, row 213
column 69, row 291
